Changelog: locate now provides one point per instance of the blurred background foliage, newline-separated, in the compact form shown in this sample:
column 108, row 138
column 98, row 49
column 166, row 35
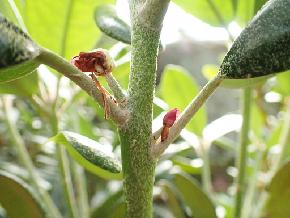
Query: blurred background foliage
column 195, row 177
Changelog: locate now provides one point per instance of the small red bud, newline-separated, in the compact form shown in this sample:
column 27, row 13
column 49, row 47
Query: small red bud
column 170, row 117
column 168, row 121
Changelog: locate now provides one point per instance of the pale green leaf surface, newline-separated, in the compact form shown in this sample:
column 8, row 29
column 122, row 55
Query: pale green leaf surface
column 18, row 199
column 68, row 23
column 90, row 154
column 204, row 10
column 279, row 194
column 283, row 86
column 24, row 86
column 193, row 196
column 177, row 89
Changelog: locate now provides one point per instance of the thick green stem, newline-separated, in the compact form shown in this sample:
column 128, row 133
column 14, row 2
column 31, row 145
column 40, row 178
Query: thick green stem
column 135, row 134
column 26, row 160
column 242, row 155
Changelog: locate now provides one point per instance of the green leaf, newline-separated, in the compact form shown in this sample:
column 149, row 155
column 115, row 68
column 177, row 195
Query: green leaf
column 107, row 20
column 90, row 154
column 263, row 48
column 17, row 52
column 279, row 194
column 177, row 89
column 172, row 200
column 198, row 202
column 106, row 208
column 24, row 86
column 206, row 10
column 283, row 83
column 68, row 23
column 18, row 199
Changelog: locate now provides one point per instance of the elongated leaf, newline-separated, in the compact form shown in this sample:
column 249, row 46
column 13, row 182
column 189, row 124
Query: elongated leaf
column 90, row 154
column 107, row 20
column 214, row 12
column 263, row 47
column 172, row 199
column 279, row 191
column 68, row 23
column 18, row 199
column 24, row 86
column 198, row 202
column 17, row 52
column 177, row 89
column 106, row 208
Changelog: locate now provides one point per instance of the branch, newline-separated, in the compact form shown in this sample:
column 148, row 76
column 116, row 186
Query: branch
column 83, row 81
column 116, row 88
column 158, row 148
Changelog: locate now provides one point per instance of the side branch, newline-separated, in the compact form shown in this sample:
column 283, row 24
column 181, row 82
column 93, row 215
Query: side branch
column 159, row 147
column 83, row 81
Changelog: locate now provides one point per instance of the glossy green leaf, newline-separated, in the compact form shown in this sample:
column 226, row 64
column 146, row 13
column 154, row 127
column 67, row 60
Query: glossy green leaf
column 24, row 86
column 18, row 199
column 263, row 48
column 172, row 199
column 17, row 52
column 198, row 202
column 68, row 23
column 279, row 194
column 108, row 21
column 90, row 154
column 214, row 12
column 177, row 89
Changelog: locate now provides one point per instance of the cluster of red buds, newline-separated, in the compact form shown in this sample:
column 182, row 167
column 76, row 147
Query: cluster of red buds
column 168, row 121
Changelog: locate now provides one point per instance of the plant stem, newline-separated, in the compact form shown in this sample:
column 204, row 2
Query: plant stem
column 252, row 187
column 185, row 117
column 26, row 160
column 81, row 189
column 135, row 134
column 206, row 171
column 64, row 169
column 242, row 154
column 116, row 88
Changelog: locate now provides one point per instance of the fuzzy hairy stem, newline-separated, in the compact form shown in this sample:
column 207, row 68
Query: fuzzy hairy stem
column 135, row 135
column 159, row 147
column 82, row 80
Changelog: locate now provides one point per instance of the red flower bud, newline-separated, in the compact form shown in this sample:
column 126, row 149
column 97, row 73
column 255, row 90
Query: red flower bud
column 98, row 61
column 168, row 121
column 170, row 117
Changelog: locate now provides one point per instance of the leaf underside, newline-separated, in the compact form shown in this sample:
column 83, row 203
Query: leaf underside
column 263, row 47
column 17, row 52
